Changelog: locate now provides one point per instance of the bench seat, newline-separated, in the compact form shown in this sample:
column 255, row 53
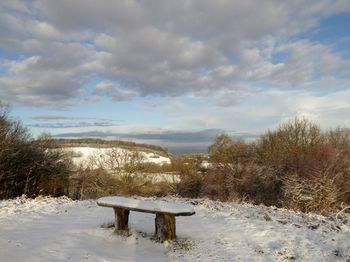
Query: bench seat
column 165, row 228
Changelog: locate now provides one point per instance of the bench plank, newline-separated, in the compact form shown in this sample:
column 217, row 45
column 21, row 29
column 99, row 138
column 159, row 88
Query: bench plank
column 147, row 206
column 165, row 226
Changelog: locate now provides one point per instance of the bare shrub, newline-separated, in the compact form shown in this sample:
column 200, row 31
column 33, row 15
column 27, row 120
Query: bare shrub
column 235, row 174
column 248, row 181
column 339, row 138
column 226, row 150
column 285, row 148
column 190, row 185
column 255, row 183
column 28, row 166
column 295, row 166
column 316, row 193
column 313, row 166
column 149, row 167
column 86, row 183
column 190, row 179
column 215, row 184
column 159, row 189
column 322, row 182
column 118, row 160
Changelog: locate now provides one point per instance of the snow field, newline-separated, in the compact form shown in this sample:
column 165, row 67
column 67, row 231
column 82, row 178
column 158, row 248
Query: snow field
column 59, row 229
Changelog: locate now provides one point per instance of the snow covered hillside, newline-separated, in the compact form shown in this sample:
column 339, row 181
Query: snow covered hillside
column 82, row 155
column 59, row 229
column 99, row 157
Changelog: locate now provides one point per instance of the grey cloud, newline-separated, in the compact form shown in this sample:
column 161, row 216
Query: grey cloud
column 71, row 125
column 114, row 91
column 50, row 79
column 15, row 5
column 99, row 134
column 208, row 19
column 72, row 16
column 56, row 121
column 55, row 56
column 49, row 118
column 52, row 89
column 56, row 117
column 175, row 141
column 176, row 136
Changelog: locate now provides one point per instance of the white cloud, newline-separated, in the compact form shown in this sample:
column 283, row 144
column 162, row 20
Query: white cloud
column 163, row 48
column 115, row 92
column 255, row 112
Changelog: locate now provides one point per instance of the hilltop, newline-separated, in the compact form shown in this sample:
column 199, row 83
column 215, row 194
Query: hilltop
column 100, row 143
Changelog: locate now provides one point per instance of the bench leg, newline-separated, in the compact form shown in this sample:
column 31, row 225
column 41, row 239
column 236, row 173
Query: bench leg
column 121, row 218
column 165, row 227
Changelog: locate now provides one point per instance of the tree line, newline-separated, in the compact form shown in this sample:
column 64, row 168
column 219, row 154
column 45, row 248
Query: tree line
column 296, row 166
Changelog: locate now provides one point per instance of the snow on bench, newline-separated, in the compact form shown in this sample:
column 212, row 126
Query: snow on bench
column 165, row 213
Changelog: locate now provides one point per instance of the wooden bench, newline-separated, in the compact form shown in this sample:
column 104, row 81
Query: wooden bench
column 165, row 227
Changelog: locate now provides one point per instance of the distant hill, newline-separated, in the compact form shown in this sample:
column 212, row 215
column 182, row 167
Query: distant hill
column 100, row 143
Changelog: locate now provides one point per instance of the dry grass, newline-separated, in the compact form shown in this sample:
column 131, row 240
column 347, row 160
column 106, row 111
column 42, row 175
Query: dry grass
column 92, row 184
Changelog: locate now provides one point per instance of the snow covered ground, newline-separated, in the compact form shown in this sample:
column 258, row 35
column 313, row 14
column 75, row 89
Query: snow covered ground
column 59, row 229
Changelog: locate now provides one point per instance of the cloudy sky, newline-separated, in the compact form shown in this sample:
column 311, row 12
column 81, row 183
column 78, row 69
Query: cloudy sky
column 174, row 73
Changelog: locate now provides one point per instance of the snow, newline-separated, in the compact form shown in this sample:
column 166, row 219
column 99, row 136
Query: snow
column 170, row 177
column 59, row 229
column 84, row 154
column 205, row 164
column 146, row 205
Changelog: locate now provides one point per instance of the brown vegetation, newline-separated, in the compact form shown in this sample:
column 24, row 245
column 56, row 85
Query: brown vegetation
column 27, row 166
column 296, row 166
